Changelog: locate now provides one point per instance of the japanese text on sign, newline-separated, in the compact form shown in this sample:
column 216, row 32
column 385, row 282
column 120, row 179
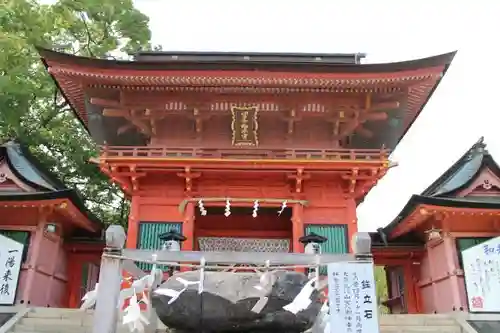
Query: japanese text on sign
column 244, row 126
column 481, row 265
column 489, row 249
column 10, row 265
column 352, row 297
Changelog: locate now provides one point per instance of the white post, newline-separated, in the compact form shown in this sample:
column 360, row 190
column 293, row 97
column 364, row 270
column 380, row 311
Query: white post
column 110, row 277
column 152, row 317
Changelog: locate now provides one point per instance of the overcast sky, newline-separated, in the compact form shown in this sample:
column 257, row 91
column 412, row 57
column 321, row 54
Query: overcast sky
column 463, row 108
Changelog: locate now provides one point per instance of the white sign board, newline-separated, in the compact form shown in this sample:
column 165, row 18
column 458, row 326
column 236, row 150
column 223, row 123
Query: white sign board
column 352, row 298
column 11, row 253
column 482, row 276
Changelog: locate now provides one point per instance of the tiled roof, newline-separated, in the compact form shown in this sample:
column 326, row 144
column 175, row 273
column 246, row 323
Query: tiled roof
column 443, row 190
column 461, row 172
column 20, row 161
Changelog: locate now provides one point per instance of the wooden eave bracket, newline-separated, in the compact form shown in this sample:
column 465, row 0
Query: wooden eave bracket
column 134, row 177
column 370, row 180
column 416, row 218
column 361, row 116
column 299, row 178
column 188, row 176
column 117, row 177
column 73, row 214
column 291, row 119
column 199, row 118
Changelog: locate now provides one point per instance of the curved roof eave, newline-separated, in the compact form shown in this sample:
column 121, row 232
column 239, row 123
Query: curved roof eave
column 26, row 167
column 49, row 56
column 417, row 200
column 58, row 194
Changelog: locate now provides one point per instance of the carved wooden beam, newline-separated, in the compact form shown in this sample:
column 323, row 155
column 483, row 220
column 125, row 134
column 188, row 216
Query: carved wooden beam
column 368, row 101
column 367, row 182
column 124, row 128
column 349, row 126
column 153, row 125
column 199, row 117
column 352, row 181
column 188, row 176
column 336, row 121
column 136, row 117
column 299, row 178
column 291, row 120
column 139, row 123
column 134, row 177
column 105, row 102
column 364, row 132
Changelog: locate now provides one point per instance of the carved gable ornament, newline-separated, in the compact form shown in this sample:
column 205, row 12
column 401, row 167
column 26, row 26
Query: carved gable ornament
column 244, row 126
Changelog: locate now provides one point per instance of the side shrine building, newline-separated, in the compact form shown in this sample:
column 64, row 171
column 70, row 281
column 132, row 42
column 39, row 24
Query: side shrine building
column 61, row 238
column 245, row 152
column 422, row 246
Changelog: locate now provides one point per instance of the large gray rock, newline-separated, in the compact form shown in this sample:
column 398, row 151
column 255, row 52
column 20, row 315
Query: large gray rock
column 227, row 301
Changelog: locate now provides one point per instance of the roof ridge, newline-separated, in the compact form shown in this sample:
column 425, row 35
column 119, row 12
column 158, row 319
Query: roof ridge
column 478, row 147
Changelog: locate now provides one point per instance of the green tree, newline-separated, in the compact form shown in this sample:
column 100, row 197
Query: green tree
column 381, row 288
column 31, row 109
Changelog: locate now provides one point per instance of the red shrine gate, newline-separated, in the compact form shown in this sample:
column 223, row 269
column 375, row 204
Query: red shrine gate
column 311, row 130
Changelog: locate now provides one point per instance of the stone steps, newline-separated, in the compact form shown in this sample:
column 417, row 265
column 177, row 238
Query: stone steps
column 51, row 320
column 419, row 324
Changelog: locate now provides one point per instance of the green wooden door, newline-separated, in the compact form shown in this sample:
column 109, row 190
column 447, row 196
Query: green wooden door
column 148, row 236
column 336, row 235
column 465, row 243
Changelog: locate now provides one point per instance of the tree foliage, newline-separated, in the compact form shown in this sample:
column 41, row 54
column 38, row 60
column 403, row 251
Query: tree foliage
column 31, row 109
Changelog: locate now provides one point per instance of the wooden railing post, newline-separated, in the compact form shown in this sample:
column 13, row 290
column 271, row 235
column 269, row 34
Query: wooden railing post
column 110, row 276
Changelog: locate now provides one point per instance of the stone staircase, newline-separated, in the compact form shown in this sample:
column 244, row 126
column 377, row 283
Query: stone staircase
column 51, row 320
column 428, row 323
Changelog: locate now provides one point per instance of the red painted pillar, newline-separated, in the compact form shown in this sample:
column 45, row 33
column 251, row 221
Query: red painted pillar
column 32, row 262
column 188, row 230
column 458, row 298
column 133, row 223
column 297, row 228
column 188, row 227
column 410, row 288
column 74, row 280
column 415, row 268
column 352, row 221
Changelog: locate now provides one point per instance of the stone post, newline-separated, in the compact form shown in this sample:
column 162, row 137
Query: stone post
column 110, row 276
column 362, row 245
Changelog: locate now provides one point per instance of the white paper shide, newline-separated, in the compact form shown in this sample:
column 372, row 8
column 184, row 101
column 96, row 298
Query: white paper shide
column 11, row 253
column 482, row 276
column 352, row 298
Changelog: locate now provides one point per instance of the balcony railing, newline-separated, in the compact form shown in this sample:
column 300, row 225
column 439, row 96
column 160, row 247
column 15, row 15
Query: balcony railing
column 242, row 153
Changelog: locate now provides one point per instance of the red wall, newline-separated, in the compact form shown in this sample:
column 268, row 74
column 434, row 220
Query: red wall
column 160, row 196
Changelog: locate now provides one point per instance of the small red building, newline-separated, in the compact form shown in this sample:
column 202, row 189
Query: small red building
column 245, row 151
column 423, row 244
column 61, row 237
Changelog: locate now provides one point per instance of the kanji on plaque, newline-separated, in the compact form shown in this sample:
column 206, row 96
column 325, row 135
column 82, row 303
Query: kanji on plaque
column 11, row 253
column 481, row 265
column 355, row 309
column 244, row 126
